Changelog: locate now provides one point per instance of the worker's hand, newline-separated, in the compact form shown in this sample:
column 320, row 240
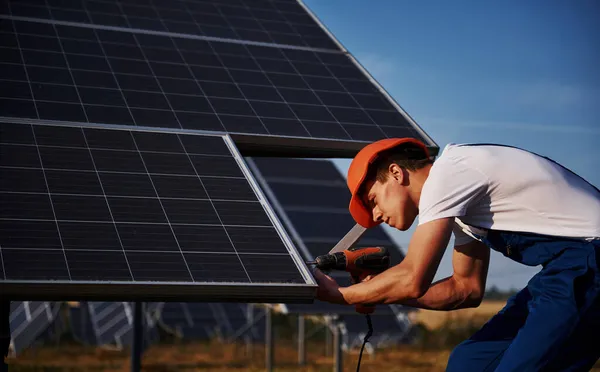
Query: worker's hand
column 329, row 290
column 365, row 279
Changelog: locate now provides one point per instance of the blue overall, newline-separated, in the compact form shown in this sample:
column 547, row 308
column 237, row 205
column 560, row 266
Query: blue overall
column 553, row 323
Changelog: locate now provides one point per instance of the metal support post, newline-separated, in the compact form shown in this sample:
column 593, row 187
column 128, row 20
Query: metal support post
column 269, row 339
column 4, row 332
column 138, row 337
column 328, row 341
column 250, row 324
column 337, row 343
column 301, row 340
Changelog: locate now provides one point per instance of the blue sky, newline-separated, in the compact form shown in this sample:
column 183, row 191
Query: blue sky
column 518, row 73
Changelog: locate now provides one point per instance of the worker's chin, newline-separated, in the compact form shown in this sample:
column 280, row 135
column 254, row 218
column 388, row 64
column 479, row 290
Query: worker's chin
column 398, row 225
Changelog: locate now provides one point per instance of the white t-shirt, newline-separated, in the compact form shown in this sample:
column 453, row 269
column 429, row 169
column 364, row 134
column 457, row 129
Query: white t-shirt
column 504, row 188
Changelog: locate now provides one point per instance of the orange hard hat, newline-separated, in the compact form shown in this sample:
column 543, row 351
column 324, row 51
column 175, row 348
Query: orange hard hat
column 358, row 171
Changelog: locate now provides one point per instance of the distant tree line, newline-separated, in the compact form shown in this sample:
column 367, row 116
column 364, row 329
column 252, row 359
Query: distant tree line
column 493, row 293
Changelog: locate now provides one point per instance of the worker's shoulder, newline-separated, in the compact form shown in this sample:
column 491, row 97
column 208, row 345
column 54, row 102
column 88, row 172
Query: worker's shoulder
column 478, row 152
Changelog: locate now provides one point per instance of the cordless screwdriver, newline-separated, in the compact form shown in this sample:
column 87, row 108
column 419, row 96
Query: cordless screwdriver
column 359, row 262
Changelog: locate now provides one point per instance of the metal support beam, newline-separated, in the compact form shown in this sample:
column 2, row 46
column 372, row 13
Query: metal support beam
column 301, row 340
column 328, row 341
column 269, row 339
column 4, row 332
column 337, row 344
column 249, row 324
column 138, row 337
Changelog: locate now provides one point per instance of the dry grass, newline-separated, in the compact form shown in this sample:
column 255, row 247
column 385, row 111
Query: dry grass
column 436, row 319
column 220, row 357
column 443, row 329
column 224, row 358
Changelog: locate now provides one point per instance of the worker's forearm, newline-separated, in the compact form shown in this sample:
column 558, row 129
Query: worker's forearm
column 397, row 286
column 445, row 294
column 392, row 286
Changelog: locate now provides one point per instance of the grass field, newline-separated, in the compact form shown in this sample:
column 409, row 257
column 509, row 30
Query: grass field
column 215, row 357
column 430, row 353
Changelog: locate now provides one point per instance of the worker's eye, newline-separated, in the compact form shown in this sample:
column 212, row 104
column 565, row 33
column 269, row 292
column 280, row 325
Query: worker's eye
column 372, row 201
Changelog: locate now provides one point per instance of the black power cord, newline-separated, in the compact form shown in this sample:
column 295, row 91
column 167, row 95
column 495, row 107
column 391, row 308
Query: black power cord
column 365, row 340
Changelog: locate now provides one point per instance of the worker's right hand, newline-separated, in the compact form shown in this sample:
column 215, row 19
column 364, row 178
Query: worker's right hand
column 329, row 289
column 365, row 279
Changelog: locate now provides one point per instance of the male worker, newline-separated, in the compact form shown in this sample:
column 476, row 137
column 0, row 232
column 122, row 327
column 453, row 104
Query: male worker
column 525, row 206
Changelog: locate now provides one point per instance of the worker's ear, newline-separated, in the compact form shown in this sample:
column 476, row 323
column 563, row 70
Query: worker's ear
column 396, row 172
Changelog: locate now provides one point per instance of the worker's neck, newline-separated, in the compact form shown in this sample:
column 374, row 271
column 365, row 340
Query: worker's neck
column 417, row 180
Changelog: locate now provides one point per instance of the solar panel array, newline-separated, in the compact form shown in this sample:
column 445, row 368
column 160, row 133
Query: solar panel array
column 80, row 206
column 264, row 69
column 205, row 321
column 119, row 179
column 111, row 323
column 30, row 322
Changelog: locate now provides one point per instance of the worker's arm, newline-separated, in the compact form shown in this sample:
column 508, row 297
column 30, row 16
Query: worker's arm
column 409, row 282
column 466, row 286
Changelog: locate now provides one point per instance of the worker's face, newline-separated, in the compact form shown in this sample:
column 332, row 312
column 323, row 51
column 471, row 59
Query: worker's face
column 389, row 201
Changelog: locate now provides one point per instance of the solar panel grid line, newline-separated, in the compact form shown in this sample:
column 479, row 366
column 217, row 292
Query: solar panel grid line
column 231, row 77
column 168, row 33
column 217, row 213
column 116, row 81
column 195, row 81
column 169, row 223
column 277, row 90
column 416, row 127
column 68, row 270
column 26, row 73
column 134, row 223
column 70, row 71
column 107, row 204
column 316, row 95
column 354, row 99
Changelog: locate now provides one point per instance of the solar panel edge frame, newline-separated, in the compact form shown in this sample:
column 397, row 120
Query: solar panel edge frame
column 26, row 290
column 281, row 213
column 282, row 307
column 249, row 144
column 300, row 263
column 168, row 33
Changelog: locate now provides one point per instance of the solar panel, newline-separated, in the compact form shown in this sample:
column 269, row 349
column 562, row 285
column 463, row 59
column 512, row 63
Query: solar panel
column 272, row 98
column 311, row 198
column 389, row 329
column 204, row 321
column 282, row 22
column 110, row 324
column 29, row 320
column 108, row 214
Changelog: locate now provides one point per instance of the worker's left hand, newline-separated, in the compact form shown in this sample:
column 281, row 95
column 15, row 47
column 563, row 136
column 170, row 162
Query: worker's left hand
column 329, row 290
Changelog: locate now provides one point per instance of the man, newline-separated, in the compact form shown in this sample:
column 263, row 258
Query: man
column 525, row 206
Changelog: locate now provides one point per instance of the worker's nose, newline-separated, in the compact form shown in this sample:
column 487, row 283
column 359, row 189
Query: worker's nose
column 377, row 215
